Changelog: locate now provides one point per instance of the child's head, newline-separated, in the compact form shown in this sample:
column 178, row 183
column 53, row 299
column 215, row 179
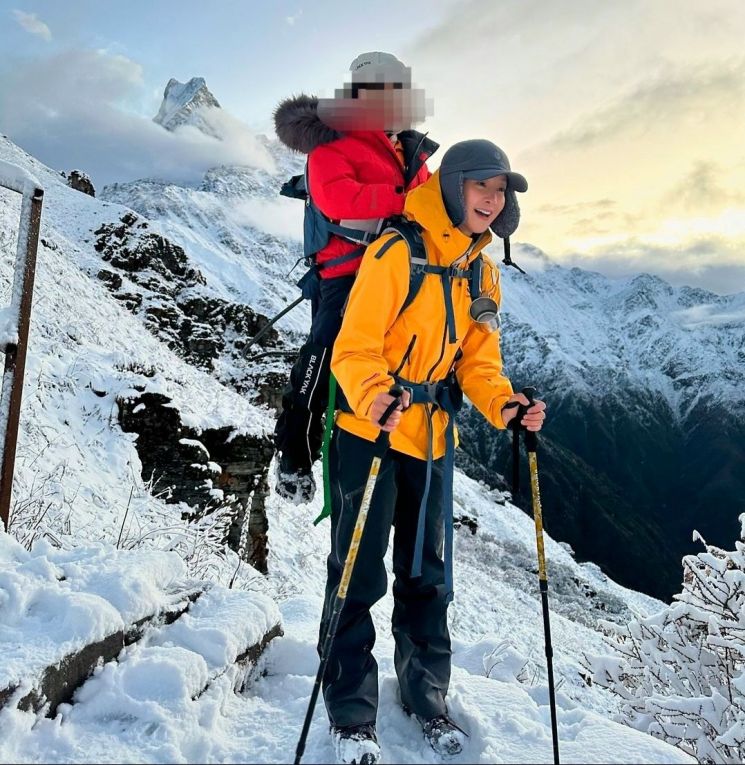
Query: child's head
column 380, row 96
column 478, row 188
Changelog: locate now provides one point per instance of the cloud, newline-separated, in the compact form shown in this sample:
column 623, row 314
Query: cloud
column 31, row 23
column 76, row 110
column 621, row 115
column 662, row 99
column 547, row 63
column 599, row 206
column 528, row 257
column 710, row 315
column 702, row 188
column 713, row 262
column 294, row 17
column 281, row 217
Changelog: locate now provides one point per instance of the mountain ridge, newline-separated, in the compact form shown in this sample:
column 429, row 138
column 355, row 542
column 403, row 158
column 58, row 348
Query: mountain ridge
column 182, row 103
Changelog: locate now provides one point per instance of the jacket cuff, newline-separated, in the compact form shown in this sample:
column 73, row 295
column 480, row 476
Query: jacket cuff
column 366, row 402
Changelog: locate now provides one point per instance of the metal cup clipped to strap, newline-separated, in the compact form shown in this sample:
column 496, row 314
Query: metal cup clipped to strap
column 485, row 312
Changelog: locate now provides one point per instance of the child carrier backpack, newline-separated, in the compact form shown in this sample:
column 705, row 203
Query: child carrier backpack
column 317, row 230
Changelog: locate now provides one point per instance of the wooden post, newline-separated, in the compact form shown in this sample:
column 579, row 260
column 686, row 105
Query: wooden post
column 15, row 354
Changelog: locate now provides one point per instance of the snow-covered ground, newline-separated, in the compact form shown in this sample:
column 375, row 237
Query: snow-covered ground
column 142, row 707
column 97, row 545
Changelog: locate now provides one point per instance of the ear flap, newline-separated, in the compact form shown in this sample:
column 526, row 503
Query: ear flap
column 451, row 186
column 505, row 224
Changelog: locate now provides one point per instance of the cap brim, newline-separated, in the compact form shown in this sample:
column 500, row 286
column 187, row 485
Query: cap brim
column 515, row 181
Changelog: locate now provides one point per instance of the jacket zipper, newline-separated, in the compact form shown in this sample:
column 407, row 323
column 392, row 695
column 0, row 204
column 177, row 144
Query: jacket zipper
column 442, row 352
column 414, row 158
column 406, row 356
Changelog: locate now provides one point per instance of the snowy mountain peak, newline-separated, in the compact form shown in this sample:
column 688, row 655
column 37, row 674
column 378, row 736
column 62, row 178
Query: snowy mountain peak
column 183, row 101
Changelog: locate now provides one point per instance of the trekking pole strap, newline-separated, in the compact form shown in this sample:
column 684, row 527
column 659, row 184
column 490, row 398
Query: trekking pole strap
column 515, row 427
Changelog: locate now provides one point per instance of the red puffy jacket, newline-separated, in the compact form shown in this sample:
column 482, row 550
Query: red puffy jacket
column 360, row 175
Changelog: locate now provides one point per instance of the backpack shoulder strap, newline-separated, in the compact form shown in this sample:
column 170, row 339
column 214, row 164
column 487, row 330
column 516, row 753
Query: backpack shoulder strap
column 410, row 232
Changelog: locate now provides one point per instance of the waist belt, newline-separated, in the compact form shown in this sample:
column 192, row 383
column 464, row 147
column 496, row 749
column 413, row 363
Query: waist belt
column 446, row 395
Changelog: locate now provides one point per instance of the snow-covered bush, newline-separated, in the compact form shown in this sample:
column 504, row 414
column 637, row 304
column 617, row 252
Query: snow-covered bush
column 680, row 672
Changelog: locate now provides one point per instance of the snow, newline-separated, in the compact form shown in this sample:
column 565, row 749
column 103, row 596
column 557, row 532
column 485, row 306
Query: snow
column 53, row 602
column 151, row 704
column 18, row 178
column 8, row 327
column 221, row 625
column 96, row 546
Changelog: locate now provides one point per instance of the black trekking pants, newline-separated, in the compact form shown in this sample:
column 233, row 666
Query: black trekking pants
column 298, row 434
column 422, row 655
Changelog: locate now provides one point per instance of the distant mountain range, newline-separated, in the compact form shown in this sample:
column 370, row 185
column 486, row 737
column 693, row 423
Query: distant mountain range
column 646, row 437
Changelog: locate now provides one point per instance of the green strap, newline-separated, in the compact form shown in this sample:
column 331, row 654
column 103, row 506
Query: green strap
column 329, row 427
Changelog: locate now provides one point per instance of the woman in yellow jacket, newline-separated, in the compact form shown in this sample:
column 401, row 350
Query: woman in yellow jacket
column 423, row 347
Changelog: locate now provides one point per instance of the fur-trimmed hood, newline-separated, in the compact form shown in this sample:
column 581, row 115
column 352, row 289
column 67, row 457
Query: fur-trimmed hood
column 298, row 125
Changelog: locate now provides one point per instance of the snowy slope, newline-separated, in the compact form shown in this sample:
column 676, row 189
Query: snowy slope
column 142, row 707
column 234, row 229
column 75, row 466
column 78, row 469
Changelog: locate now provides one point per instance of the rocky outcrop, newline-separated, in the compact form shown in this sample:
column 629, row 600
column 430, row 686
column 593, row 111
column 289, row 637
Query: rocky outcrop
column 81, row 182
column 152, row 277
column 254, row 620
column 207, row 470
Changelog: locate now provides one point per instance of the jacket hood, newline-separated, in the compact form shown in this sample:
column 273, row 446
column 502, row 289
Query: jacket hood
column 425, row 205
column 298, row 125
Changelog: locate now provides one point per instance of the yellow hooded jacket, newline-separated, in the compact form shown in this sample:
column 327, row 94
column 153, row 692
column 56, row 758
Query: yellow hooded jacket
column 376, row 338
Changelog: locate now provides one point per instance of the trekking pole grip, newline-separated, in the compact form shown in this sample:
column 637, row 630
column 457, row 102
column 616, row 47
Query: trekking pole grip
column 383, row 439
column 396, row 391
column 531, row 438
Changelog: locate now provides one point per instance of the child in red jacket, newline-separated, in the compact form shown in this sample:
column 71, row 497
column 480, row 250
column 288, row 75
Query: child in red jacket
column 362, row 159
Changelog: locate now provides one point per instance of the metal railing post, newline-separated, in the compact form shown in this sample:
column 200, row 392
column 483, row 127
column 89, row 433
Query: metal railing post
column 11, row 390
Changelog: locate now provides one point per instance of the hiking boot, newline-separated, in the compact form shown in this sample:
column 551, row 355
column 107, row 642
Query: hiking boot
column 297, row 487
column 356, row 744
column 443, row 735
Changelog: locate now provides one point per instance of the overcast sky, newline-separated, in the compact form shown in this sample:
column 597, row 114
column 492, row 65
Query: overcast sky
column 626, row 116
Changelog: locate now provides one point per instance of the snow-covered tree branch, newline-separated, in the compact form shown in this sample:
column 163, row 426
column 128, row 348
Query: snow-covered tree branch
column 679, row 672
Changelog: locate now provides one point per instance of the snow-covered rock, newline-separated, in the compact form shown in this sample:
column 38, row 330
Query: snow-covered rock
column 182, row 103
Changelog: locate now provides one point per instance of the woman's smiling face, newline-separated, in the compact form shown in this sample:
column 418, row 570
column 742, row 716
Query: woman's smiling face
column 484, row 200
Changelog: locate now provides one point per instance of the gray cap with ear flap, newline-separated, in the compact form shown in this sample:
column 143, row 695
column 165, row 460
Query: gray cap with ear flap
column 478, row 160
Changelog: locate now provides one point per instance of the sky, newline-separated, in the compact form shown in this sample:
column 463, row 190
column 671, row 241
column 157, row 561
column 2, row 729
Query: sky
column 626, row 116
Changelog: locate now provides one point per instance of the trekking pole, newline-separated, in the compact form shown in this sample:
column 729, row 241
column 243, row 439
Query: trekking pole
column 269, row 324
column 531, row 443
column 381, row 446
